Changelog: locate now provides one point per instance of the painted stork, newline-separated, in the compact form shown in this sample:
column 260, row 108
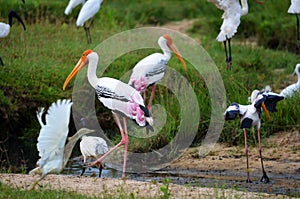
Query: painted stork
column 291, row 89
column 151, row 69
column 233, row 11
column 53, row 152
column 295, row 9
column 5, row 28
column 116, row 96
column 92, row 147
column 251, row 116
column 87, row 12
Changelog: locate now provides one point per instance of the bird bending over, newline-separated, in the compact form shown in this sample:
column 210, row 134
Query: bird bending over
column 117, row 96
column 233, row 11
column 251, row 116
column 87, row 12
column 92, row 147
column 151, row 69
column 295, row 9
column 53, row 153
column 5, row 28
column 291, row 89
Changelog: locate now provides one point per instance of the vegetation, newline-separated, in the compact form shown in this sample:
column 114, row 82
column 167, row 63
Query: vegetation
column 38, row 60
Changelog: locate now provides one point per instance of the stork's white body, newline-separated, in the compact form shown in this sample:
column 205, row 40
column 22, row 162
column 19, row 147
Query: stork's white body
column 294, row 7
column 88, row 10
column 4, row 29
column 151, row 69
column 291, row 89
column 72, row 4
column 233, row 11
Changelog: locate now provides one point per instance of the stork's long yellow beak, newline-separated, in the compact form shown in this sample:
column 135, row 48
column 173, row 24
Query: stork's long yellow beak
column 177, row 53
column 266, row 110
column 80, row 64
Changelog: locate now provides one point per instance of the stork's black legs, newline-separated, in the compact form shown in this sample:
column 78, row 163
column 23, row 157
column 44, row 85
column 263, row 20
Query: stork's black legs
column 298, row 37
column 83, row 170
column 264, row 178
column 87, row 32
column 1, row 62
column 228, row 54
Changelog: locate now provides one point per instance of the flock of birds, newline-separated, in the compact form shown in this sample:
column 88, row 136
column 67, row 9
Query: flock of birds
column 128, row 99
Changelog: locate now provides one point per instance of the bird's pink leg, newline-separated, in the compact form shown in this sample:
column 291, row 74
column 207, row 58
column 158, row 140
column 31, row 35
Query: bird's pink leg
column 151, row 97
column 115, row 147
column 144, row 96
column 264, row 178
column 246, row 152
column 125, row 147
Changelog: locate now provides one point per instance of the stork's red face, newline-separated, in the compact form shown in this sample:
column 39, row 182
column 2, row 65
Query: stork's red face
column 83, row 61
column 174, row 49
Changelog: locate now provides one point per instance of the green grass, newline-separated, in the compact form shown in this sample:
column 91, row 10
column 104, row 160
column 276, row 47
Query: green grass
column 38, row 61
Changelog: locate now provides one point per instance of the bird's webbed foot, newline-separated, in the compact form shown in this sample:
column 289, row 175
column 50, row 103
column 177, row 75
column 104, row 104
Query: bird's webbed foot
column 248, row 180
column 265, row 178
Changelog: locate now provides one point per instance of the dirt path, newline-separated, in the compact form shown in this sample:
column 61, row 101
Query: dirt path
column 281, row 152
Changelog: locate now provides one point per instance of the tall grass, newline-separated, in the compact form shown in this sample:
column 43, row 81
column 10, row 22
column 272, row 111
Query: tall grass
column 38, row 60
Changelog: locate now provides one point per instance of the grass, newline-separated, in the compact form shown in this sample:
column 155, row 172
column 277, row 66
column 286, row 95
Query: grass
column 38, row 60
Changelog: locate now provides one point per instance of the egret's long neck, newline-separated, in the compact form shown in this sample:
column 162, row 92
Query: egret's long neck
column 244, row 7
column 92, row 69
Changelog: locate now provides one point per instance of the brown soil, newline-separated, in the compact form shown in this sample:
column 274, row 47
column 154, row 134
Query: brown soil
column 281, row 152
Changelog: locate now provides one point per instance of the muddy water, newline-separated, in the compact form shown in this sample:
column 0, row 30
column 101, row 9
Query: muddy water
column 280, row 183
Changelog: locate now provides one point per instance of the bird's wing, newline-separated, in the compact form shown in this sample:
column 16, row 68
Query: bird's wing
column 39, row 115
column 101, row 147
column 53, row 135
column 72, row 4
column 222, row 4
column 270, row 99
column 88, row 10
column 232, row 111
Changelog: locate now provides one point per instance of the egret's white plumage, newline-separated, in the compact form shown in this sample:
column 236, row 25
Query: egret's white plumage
column 52, row 138
column 291, row 89
column 116, row 96
column 92, row 147
column 233, row 11
column 151, row 69
column 72, row 4
column 251, row 116
column 294, row 7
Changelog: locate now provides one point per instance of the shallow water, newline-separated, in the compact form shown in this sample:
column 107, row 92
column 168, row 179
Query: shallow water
column 280, row 183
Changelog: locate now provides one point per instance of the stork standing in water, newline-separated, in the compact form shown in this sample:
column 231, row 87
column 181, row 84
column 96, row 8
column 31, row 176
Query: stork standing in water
column 251, row 116
column 233, row 12
column 92, row 147
column 5, row 28
column 151, row 69
column 291, row 89
column 53, row 153
column 295, row 9
column 116, row 96
column 87, row 12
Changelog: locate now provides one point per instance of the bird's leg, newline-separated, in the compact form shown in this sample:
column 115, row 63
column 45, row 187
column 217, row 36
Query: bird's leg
column 264, row 178
column 1, row 62
column 115, row 147
column 246, row 152
column 100, row 170
column 151, row 97
column 83, row 170
column 125, row 148
column 226, row 53
column 36, row 182
column 87, row 33
column 298, row 37
column 144, row 96
column 229, row 58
